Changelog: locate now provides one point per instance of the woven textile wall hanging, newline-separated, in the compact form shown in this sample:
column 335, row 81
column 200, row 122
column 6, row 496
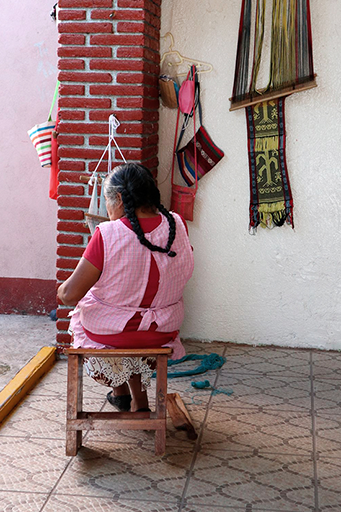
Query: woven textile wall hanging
column 290, row 70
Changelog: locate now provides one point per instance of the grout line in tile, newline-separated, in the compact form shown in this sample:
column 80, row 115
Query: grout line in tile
column 257, row 451
column 287, row 375
column 246, row 508
column 328, row 415
column 100, row 496
column 198, row 443
column 313, row 432
column 55, row 485
column 26, row 436
column 30, row 436
column 263, row 408
column 23, row 492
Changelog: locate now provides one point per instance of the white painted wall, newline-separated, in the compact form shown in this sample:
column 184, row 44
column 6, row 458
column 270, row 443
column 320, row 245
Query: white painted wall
column 28, row 70
column 279, row 287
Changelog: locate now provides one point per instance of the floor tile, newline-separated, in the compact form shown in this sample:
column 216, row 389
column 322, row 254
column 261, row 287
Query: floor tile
column 283, row 393
column 268, row 481
column 21, row 501
column 270, row 361
column 31, row 465
column 127, row 472
column 55, row 384
column 327, row 396
column 268, row 431
column 326, row 364
column 255, row 451
column 41, row 415
column 329, row 478
column 96, row 504
column 328, row 435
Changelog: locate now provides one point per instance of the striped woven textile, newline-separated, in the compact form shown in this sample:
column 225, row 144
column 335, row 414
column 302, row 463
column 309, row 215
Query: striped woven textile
column 271, row 202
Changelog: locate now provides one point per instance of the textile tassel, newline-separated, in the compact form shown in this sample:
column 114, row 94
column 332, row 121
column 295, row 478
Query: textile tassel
column 271, row 202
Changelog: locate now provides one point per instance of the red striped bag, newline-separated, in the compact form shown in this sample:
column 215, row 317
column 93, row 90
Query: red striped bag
column 208, row 155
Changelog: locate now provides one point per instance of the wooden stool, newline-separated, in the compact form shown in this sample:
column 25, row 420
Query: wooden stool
column 78, row 420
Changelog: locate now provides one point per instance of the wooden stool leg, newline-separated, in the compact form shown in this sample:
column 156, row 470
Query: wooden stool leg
column 74, row 402
column 161, row 403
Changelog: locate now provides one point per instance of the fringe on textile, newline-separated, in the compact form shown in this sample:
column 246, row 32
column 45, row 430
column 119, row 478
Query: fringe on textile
column 271, row 215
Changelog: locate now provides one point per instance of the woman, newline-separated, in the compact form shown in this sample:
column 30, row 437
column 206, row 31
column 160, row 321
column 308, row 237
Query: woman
column 129, row 283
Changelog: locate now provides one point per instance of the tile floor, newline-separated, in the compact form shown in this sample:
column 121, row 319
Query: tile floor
column 273, row 445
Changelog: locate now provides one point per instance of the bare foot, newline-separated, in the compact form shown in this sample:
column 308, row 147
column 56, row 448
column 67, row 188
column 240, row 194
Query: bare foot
column 121, row 390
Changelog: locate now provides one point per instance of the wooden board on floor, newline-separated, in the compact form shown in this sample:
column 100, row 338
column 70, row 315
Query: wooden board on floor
column 179, row 415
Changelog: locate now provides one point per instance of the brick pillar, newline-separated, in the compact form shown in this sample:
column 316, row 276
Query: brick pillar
column 109, row 63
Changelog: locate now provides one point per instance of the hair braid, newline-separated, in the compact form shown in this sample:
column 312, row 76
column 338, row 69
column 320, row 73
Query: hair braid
column 137, row 187
column 172, row 229
column 129, row 209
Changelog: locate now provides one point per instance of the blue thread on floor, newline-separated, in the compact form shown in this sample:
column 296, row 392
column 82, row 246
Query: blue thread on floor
column 205, row 384
column 208, row 362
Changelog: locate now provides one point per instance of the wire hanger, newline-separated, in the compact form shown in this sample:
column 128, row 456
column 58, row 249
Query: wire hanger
column 202, row 67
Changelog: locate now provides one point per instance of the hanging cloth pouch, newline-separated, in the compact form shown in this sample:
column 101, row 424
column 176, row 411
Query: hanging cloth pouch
column 182, row 199
column 169, row 91
column 41, row 134
column 208, row 154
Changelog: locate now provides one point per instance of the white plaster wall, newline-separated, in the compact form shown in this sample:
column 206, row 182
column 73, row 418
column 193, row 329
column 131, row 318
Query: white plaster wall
column 28, row 70
column 279, row 287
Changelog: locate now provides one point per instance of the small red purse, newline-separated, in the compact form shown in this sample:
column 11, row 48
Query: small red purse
column 182, row 199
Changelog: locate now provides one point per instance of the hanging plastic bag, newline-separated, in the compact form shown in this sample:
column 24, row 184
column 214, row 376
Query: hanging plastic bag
column 97, row 212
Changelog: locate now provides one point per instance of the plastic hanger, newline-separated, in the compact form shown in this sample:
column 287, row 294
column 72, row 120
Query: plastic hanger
column 202, row 67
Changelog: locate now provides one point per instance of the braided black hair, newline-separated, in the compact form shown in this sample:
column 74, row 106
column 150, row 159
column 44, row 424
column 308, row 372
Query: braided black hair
column 138, row 189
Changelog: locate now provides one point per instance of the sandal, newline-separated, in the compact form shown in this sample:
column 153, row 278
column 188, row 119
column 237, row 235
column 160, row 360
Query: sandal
column 122, row 403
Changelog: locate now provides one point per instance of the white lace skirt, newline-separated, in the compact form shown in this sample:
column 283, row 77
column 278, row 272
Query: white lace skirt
column 114, row 372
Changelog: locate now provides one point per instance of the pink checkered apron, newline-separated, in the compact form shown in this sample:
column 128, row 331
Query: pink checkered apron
column 115, row 298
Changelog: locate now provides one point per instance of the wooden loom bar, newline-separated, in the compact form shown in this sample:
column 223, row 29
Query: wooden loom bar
column 96, row 217
column 268, row 96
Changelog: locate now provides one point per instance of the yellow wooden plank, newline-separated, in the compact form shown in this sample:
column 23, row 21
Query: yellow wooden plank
column 25, row 379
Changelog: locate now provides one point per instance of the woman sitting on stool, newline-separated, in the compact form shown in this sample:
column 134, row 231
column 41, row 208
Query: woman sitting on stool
column 128, row 285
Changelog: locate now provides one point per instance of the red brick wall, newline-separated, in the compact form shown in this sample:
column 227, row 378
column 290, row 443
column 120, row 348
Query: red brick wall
column 108, row 63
